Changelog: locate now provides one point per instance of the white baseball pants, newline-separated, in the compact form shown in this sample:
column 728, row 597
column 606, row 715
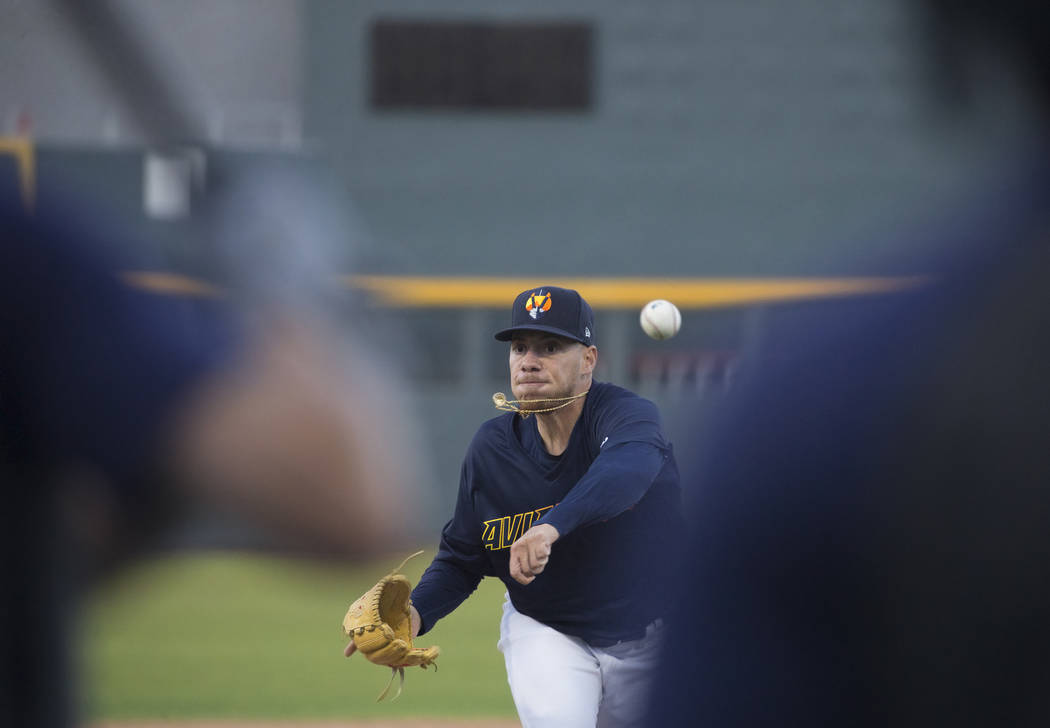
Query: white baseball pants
column 559, row 681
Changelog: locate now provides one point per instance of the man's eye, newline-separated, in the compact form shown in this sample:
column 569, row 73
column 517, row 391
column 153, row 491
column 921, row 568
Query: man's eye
column 552, row 348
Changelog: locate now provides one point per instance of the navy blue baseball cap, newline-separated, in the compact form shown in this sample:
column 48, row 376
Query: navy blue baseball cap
column 560, row 311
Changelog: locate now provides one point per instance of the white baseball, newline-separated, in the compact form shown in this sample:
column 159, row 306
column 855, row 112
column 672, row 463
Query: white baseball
column 660, row 319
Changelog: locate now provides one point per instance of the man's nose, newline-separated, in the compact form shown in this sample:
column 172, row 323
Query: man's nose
column 530, row 361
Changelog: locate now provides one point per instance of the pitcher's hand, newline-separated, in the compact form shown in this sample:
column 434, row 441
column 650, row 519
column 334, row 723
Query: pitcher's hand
column 530, row 553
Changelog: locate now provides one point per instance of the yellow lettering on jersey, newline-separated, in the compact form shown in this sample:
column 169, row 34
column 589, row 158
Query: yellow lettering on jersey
column 500, row 533
column 492, row 536
column 514, row 531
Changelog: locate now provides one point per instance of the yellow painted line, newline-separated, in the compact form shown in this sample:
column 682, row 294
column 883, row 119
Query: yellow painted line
column 171, row 284
column 21, row 148
column 603, row 293
column 626, row 293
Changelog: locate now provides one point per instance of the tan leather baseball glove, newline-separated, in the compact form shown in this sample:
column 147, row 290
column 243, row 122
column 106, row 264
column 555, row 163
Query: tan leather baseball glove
column 380, row 626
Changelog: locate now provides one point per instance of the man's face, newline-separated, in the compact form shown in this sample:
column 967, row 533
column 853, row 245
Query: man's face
column 546, row 366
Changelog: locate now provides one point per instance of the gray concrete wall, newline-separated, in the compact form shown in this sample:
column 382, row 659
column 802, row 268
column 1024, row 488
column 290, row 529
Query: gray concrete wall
column 234, row 65
column 728, row 138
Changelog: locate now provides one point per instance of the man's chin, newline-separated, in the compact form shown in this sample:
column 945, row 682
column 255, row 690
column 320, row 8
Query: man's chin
column 529, row 397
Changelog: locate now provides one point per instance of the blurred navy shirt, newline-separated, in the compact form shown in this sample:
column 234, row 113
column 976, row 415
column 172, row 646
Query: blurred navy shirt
column 89, row 367
column 872, row 530
column 91, row 373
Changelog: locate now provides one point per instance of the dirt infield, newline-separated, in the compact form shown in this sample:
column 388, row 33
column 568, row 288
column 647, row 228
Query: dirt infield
column 401, row 723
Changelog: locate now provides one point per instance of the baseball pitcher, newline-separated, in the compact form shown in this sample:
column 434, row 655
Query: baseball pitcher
column 572, row 499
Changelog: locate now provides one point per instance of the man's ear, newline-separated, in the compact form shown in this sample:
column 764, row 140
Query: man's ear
column 590, row 359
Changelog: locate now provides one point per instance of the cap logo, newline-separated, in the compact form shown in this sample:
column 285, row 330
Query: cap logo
column 587, row 332
column 538, row 304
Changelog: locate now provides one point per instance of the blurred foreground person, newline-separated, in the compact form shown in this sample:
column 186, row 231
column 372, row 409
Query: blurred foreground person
column 872, row 534
column 118, row 406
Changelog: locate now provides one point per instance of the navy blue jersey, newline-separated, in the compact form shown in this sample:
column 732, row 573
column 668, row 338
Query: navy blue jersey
column 613, row 495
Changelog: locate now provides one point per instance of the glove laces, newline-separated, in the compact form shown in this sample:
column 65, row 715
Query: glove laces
column 397, row 670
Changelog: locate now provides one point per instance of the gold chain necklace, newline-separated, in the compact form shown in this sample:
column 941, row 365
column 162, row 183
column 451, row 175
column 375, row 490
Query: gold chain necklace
column 512, row 405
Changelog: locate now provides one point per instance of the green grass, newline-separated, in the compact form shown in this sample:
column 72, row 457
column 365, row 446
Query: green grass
column 250, row 636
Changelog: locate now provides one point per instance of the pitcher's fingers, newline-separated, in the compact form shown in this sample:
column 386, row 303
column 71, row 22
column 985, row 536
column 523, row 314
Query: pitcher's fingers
column 538, row 559
column 517, row 572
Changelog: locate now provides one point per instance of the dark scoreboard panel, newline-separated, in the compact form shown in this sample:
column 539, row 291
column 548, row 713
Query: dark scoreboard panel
column 477, row 66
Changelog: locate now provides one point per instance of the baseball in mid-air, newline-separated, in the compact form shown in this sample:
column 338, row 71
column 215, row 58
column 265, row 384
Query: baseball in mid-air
column 660, row 319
